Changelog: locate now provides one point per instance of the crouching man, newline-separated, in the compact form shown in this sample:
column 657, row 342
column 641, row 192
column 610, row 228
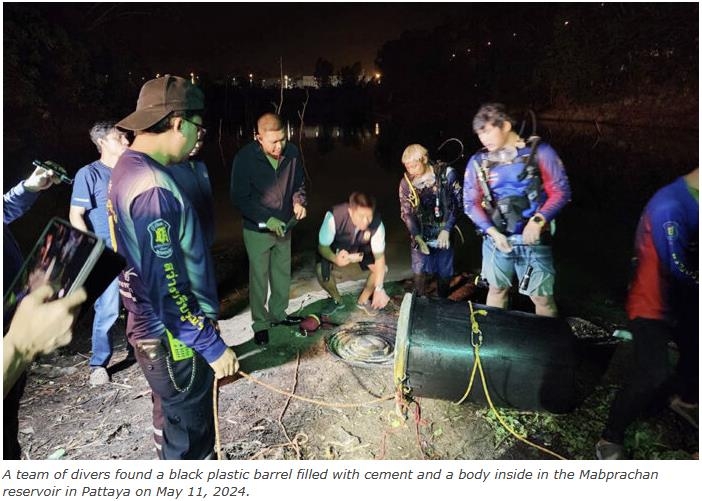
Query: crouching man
column 352, row 232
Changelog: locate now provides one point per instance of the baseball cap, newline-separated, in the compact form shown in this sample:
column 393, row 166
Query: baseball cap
column 161, row 96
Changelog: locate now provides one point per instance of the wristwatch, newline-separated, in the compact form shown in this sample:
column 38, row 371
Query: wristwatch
column 379, row 288
column 539, row 220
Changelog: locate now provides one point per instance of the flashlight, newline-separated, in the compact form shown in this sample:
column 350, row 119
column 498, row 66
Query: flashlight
column 56, row 168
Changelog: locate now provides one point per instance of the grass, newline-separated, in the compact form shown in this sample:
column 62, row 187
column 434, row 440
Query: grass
column 574, row 435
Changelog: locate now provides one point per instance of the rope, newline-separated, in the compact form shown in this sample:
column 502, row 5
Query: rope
column 215, row 409
column 293, row 443
column 299, row 438
column 477, row 341
column 310, row 400
column 413, row 197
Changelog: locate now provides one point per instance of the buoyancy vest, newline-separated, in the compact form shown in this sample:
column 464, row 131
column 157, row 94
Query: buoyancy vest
column 509, row 213
column 432, row 211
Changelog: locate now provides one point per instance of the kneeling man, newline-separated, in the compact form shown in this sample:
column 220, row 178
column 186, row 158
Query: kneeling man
column 352, row 232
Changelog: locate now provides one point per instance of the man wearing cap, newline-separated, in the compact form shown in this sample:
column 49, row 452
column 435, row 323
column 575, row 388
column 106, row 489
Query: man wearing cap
column 169, row 285
column 268, row 187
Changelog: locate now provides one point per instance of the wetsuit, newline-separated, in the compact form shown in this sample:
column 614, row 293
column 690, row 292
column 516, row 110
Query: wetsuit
column 427, row 208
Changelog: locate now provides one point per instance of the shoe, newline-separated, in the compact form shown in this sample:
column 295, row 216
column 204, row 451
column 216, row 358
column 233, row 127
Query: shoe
column 605, row 450
column 367, row 308
column 290, row 320
column 261, row 337
column 332, row 308
column 131, row 357
column 98, row 376
column 689, row 412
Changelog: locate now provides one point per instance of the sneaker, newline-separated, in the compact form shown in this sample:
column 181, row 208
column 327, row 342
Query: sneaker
column 689, row 412
column 332, row 308
column 99, row 376
column 605, row 450
column 367, row 308
column 261, row 337
column 131, row 357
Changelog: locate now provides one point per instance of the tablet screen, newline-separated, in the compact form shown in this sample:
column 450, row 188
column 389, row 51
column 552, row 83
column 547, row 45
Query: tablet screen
column 62, row 257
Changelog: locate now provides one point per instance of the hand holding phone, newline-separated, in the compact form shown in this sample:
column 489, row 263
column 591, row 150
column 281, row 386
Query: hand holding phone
column 356, row 257
column 50, row 169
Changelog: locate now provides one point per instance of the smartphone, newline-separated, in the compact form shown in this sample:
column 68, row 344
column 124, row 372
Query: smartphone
column 64, row 257
column 56, row 168
column 356, row 257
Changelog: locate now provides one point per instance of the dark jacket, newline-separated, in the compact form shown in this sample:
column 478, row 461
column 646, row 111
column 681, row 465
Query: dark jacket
column 259, row 191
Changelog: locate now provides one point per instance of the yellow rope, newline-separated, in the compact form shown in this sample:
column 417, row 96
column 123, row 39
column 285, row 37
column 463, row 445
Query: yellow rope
column 412, row 198
column 215, row 408
column 476, row 341
column 312, row 401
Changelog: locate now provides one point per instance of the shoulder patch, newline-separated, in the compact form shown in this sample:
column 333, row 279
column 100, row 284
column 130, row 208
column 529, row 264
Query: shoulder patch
column 159, row 231
column 671, row 230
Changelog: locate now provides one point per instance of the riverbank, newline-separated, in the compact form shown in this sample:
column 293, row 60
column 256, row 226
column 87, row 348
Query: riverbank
column 678, row 109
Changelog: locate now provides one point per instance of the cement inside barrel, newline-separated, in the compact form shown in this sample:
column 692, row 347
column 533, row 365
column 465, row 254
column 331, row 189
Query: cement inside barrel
column 364, row 344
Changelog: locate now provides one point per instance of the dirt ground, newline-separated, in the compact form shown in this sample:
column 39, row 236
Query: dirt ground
column 352, row 414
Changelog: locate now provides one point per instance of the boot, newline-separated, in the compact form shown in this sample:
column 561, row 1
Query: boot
column 443, row 287
column 419, row 284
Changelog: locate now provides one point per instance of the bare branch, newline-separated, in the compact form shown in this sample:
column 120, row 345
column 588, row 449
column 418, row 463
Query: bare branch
column 280, row 106
column 301, row 114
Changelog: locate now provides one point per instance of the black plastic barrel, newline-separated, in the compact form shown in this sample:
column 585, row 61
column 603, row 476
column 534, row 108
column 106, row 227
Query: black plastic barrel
column 528, row 360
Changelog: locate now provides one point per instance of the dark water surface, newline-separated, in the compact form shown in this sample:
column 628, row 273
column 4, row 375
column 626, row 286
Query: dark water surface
column 613, row 172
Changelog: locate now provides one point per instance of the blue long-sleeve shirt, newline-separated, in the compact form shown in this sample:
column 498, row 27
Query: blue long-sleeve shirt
column 667, row 268
column 170, row 277
column 503, row 181
column 15, row 203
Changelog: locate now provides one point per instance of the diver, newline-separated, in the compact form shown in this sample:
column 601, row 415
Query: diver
column 430, row 202
column 512, row 190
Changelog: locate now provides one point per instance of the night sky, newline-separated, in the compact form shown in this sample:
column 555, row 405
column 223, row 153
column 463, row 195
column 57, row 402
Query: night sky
column 242, row 37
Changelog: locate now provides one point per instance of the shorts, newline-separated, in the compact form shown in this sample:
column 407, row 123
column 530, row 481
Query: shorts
column 439, row 261
column 500, row 268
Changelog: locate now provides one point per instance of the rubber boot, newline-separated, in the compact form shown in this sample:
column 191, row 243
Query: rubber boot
column 419, row 284
column 443, row 287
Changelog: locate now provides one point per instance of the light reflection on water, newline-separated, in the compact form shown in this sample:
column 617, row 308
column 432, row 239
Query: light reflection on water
column 316, row 131
column 613, row 172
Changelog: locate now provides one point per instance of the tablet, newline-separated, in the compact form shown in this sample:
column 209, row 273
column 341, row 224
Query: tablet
column 64, row 257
